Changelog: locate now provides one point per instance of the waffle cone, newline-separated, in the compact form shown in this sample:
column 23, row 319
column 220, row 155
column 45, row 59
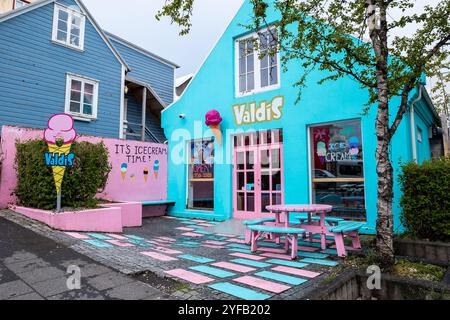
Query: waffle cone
column 58, row 171
column 215, row 128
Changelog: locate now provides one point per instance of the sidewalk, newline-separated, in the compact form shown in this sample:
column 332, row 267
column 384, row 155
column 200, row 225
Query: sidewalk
column 33, row 267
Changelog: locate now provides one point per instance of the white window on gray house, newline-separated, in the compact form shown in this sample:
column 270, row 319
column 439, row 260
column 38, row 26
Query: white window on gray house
column 81, row 97
column 68, row 27
column 253, row 74
column 19, row 4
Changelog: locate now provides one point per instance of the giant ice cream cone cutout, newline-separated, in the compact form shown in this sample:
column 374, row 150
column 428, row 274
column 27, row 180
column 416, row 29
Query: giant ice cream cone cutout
column 213, row 120
column 59, row 137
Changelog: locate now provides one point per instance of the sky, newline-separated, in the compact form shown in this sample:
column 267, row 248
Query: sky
column 134, row 20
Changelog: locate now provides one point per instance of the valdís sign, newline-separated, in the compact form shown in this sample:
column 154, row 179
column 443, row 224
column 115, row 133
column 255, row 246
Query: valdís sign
column 249, row 113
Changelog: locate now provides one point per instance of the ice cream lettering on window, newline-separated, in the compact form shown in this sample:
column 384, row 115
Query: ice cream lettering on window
column 59, row 136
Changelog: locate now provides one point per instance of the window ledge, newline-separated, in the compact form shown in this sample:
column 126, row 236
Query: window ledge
column 257, row 91
column 84, row 119
column 67, row 46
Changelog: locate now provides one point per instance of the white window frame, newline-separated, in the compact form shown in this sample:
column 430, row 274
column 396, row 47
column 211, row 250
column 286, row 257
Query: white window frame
column 70, row 12
column 22, row 3
column 83, row 80
column 257, row 68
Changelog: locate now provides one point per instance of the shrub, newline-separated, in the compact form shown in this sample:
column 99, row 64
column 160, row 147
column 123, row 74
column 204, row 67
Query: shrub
column 35, row 184
column 426, row 199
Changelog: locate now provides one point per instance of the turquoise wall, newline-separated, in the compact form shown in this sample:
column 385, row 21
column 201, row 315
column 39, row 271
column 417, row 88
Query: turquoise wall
column 213, row 88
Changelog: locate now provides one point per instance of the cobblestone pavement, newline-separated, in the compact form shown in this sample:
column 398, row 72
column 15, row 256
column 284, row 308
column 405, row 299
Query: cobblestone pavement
column 34, row 267
column 189, row 259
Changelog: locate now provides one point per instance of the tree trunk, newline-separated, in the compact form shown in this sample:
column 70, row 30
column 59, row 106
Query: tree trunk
column 385, row 230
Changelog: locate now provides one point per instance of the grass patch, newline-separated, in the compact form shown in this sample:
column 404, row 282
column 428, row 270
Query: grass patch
column 418, row 270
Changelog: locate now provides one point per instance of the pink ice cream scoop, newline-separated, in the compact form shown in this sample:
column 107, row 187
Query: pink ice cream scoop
column 60, row 126
column 213, row 118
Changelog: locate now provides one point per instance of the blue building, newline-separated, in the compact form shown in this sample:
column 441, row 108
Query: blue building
column 274, row 150
column 55, row 58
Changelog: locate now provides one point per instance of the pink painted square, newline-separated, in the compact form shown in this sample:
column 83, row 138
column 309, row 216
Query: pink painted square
column 120, row 244
column 307, row 249
column 185, row 229
column 168, row 217
column 226, row 235
column 276, row 255
column 77, row 235
column 167, row 239
column 235, row 240
column 189, row 276
column 296, row 271
column 191, row 234
column 214, row 242
column 273, row 250
column 212, row 246
column 159, row 256
column 205, row 224
column 246, row 256
column 117, row 236
column 262, row 284
column 233, row 266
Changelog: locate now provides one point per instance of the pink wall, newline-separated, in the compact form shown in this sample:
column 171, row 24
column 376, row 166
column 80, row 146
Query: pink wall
column 135, row 154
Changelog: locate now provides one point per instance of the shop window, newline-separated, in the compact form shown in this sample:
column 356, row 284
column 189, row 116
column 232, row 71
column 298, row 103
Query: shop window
column 338, row 168
column 68, row 27
column 201, row 175
column 257, row 70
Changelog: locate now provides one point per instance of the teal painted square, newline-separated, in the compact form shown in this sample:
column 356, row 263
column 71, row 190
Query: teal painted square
column 287, row 263
column 99, row 236
column 321, row 262
column 98, row 243
column 203, row 232
column 188, row 222
column 217, row 238
column 313, row 255
column 219, row 273
column 330, row 251
column 238, row 291
column 185, row 245
column 280, row 277
column 238, row 245
column 134, row 237
column 140, row 243
column 195, row 258
column 194, row 243
column 251, row 263
column 310, row 244
column 269, row 244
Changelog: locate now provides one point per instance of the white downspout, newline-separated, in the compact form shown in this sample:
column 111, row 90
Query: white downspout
column 413, row 124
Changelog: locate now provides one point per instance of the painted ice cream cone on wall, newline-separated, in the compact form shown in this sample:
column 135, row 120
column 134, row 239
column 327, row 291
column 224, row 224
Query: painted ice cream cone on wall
column 145, row 174
column 59, row 136
column 321, row 151
column 123, row 171
column 213, row 120
column 156, row 169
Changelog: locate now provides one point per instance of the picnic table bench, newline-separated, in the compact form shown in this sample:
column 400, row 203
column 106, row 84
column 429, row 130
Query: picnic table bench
column 253, row 222
column 290, row 233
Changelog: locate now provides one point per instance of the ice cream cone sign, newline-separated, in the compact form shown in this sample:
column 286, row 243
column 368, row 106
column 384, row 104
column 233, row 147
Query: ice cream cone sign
column 156, row 168
column 145, row 174
column 213, row 120
column 123, row 170
column 59, row 136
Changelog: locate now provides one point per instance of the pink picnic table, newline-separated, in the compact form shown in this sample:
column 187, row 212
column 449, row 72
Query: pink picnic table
column 321, row 209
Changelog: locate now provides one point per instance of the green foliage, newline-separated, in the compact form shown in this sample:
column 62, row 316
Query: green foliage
column 35, row 184
column 419, row 270
column 426, row 200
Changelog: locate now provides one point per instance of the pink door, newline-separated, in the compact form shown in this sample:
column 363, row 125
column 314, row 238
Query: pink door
column 257, row 173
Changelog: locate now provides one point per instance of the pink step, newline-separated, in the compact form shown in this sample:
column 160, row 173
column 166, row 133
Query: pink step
column 77, row 235
column 159, row 256
column 262, row 284
column 189, row 276
column 117, row 236
column 166, row 250
column 191, row 234
column 120, row 244
column 276, row 255
column 246, row 256
column 233, row 266
column 185, row 229
column 296, row 271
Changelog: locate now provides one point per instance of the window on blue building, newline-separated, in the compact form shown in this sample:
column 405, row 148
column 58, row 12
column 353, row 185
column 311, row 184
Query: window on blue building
column 257, row 70
column 81, row 97
column 20, row 3
column 68, row 27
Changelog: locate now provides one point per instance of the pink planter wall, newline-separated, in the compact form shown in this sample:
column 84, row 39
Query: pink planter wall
column 133, row 187
column 95, row 220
